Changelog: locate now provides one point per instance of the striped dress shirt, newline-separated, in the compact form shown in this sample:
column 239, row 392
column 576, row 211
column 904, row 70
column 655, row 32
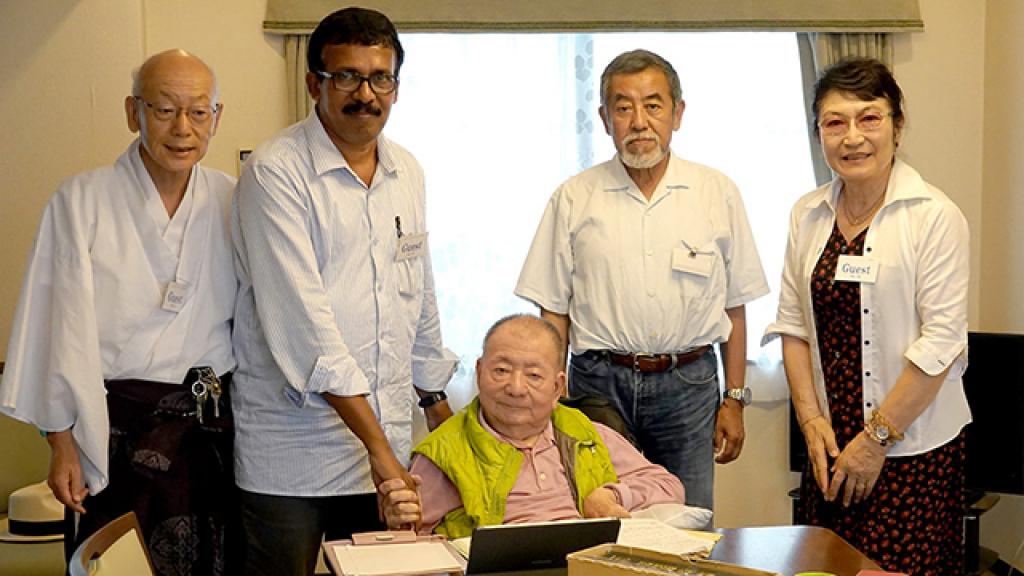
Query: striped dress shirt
column 325, row 305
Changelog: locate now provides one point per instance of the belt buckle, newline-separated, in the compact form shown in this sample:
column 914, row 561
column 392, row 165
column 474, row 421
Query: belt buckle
column 637, row 357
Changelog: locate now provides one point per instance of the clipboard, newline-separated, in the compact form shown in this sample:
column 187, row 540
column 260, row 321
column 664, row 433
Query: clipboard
column 394, row 553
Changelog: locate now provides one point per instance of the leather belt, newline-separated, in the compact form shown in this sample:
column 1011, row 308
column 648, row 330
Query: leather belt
column 657, row 362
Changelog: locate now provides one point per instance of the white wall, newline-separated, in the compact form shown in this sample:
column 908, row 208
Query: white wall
column 66, row 66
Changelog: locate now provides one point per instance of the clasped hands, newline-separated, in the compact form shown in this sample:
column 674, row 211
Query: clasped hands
column 401, row 510
column 856, row 468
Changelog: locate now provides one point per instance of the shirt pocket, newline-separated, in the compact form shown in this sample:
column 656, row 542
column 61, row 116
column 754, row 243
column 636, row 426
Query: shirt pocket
column 695, row 265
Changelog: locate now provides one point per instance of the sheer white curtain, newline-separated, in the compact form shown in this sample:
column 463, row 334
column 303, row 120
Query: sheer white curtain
column 499, row 120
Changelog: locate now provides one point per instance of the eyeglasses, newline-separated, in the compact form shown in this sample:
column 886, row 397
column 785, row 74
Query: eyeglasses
column 197, row 115
column 351, row 81
column 868, row 122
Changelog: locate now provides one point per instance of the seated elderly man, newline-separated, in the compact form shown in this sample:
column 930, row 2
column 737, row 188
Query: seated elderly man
column 516, row 455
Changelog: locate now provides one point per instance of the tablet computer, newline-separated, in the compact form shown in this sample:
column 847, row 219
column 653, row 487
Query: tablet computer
column 532, row 546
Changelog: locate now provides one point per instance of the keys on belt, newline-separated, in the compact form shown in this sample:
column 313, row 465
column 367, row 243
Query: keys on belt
column 642, row 362
column 207, row 385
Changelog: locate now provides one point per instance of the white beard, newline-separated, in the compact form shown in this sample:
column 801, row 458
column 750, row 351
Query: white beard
column 643, row 160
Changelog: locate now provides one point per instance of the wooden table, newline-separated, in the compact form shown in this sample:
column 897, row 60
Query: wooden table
column 789, row 550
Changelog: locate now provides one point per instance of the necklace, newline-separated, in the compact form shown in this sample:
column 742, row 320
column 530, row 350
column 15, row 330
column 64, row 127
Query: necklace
column 864, row 215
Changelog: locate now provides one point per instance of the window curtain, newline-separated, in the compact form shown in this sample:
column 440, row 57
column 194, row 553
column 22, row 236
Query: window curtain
column 818, row 51
column 301, row 16
column 299, row 102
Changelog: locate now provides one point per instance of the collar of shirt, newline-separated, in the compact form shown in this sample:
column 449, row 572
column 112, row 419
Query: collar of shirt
column 904, row 184
column 546, row 440
column 675, row 178
column 327, row 157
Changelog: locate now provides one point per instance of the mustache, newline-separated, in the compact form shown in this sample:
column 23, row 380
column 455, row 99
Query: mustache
column 361, row 107
column 642, row 136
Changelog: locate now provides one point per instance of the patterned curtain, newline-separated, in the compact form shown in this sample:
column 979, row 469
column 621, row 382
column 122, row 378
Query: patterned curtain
column 586, row 100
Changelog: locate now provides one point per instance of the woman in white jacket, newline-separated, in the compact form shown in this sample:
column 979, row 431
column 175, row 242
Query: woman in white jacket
column 873, row 317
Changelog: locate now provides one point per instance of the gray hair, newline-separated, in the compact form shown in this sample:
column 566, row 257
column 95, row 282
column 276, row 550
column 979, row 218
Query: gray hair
column 534, row 321
column 637, row 61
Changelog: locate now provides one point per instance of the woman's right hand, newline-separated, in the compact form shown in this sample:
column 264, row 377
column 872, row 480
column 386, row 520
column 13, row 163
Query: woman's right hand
column 65, row 476
column 821, row 444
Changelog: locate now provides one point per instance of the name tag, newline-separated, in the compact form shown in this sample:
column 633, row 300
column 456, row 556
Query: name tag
column 175, row 296
column 856, row 269
column 411, row 246
column 693, row 262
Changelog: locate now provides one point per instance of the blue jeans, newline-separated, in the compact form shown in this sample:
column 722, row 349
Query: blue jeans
column 671, row 414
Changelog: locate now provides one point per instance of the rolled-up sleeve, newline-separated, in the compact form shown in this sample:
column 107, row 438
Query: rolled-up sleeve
column 942, row 279
column 790, row 318
column 294, row 310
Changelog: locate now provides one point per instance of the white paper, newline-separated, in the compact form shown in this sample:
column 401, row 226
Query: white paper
column 651, row 534
column 413, row 557
column 462, row 545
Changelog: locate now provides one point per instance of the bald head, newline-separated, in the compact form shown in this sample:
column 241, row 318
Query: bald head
column 174, row 62
column 534, row 326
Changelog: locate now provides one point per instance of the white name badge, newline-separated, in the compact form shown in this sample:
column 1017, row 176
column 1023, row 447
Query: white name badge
column 856, row 269
column 693, row 262
column 411, row 246
column 175, row 296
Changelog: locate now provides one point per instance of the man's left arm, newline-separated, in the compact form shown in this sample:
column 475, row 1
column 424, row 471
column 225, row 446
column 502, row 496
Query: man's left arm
column 745, row 282
column 729, row 433
column 432, row 364
column 641, row 483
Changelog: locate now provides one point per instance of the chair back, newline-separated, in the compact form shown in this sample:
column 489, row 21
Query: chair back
column 599, row 409
column 117, row 549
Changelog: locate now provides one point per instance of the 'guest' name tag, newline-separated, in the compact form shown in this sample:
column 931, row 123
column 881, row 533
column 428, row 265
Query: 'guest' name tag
column 175, row 296
column 411, row 246
column 856, row 269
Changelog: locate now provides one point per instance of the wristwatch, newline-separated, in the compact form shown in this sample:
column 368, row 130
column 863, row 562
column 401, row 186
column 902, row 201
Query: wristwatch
column 880, row 430
column 741, row 395
column 432, row 398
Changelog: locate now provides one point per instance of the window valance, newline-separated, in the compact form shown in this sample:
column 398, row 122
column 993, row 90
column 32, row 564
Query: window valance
column 301, row 16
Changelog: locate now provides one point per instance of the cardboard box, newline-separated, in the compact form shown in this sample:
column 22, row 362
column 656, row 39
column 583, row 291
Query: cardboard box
column 616, row 560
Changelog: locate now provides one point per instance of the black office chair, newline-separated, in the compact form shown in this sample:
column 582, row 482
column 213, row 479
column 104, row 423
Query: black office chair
column 599, row 409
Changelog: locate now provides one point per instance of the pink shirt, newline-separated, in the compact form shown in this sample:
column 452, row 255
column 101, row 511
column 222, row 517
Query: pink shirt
column 541, row 492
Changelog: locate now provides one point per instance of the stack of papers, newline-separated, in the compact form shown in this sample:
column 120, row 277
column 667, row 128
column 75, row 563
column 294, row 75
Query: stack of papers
column 651, row 534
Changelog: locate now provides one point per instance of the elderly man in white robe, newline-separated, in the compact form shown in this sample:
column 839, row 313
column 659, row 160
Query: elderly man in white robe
column 121, row 342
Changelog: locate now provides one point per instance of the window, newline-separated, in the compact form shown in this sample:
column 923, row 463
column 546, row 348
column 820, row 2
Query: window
column 500, row 120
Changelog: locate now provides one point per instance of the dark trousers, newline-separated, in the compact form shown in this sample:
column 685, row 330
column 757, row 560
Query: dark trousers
column 283, row 533
column 174, row 472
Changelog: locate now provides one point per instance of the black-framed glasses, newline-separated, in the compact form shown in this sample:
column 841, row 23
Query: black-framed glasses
column 197, row 115
column 350, row 81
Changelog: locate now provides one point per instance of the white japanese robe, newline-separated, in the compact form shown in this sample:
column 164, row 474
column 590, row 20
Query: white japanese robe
column 92, row 303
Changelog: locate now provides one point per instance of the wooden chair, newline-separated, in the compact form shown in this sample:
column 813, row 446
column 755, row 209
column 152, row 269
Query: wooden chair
column 117, row 549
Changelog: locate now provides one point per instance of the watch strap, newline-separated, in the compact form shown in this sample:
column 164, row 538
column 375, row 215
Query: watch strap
column 432, row 398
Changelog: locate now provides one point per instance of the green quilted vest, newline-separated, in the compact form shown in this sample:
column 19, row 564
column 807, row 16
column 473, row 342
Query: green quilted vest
column 484, row 469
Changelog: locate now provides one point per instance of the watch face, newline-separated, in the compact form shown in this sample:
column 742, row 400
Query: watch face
column 742, row 395
column 882, row 432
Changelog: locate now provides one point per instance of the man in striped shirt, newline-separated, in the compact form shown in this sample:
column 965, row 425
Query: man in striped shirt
column 336, row 324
